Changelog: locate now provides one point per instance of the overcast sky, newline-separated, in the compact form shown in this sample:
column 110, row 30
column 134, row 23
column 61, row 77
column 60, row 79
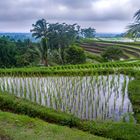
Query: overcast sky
column 104, row 15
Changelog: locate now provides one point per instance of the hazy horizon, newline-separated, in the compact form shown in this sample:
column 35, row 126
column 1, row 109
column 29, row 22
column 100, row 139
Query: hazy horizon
column 106, row 16
column 31, row 33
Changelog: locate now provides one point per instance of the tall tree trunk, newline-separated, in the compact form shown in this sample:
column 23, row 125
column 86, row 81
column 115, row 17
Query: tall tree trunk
column 46, row 62
column 62, row 55
column 45, row 53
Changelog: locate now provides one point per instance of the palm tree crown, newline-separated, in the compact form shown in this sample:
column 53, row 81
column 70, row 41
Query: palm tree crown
column 40, row 29
column 134, row 28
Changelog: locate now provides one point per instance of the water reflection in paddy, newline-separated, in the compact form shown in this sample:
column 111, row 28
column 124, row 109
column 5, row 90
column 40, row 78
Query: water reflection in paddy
column 92, row 97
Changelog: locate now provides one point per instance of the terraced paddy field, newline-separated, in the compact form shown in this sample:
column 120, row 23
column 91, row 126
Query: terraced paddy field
column 98, row 98
column 89, row 98
column 131, row 50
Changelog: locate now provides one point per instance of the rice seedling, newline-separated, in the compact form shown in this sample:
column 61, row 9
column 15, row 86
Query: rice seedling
column 87, row 97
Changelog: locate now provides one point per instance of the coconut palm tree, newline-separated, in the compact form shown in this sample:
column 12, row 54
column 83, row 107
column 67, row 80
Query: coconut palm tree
column 134, row 28
column 40, row 30
column 40, row 52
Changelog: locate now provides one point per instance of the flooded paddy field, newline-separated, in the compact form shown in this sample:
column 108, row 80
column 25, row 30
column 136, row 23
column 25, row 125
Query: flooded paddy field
column 96, row 97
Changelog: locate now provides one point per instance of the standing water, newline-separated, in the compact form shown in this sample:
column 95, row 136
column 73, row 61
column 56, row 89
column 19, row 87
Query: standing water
column 89, row 98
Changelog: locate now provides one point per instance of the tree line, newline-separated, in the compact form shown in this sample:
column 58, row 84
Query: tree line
column 57, row 45
column 58, row 37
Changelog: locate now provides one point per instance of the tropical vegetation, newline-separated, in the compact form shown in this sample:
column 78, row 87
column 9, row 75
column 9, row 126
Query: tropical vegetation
column 68, row 79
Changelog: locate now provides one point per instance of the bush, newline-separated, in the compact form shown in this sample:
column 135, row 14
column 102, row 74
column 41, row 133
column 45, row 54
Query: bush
column 134, row 94
column 75, row 55
column 112, row 53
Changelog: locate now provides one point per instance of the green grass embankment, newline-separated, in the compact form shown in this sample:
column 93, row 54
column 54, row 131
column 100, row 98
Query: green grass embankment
column 73, row 70
column 113, row 130
column 21, row 127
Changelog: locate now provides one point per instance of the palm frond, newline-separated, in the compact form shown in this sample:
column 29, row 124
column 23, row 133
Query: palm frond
column 137, row 15
column 133, row 29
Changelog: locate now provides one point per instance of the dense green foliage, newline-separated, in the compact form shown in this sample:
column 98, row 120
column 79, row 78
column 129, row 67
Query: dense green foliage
column 16, row 53
column 134, row 94
column 88, row 32
column 25, row 53
column 53, row 40
column 106, row 129
column 75, row 55
column 58, row 37
column 112, row 53
column 8, row 53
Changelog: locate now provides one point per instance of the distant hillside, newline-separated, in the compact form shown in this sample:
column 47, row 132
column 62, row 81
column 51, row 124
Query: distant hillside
column 23, row 36
column 109, row 35
column 19, row 36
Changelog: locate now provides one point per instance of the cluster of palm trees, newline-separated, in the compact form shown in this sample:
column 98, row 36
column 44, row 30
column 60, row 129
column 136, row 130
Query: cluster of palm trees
column 53, row 37
column 57, row 37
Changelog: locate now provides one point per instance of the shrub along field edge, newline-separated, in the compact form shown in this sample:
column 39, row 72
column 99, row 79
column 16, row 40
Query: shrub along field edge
column 134, row 95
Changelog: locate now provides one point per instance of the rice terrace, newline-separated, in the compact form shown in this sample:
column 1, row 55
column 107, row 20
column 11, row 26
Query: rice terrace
column 70, row 80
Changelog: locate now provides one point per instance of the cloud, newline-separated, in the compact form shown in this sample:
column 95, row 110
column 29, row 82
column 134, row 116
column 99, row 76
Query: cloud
column 78, row 4
column 21, row 13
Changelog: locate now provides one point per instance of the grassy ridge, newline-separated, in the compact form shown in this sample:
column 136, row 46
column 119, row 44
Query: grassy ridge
column 20, row 127
column 71, row 70
column 112, row 130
